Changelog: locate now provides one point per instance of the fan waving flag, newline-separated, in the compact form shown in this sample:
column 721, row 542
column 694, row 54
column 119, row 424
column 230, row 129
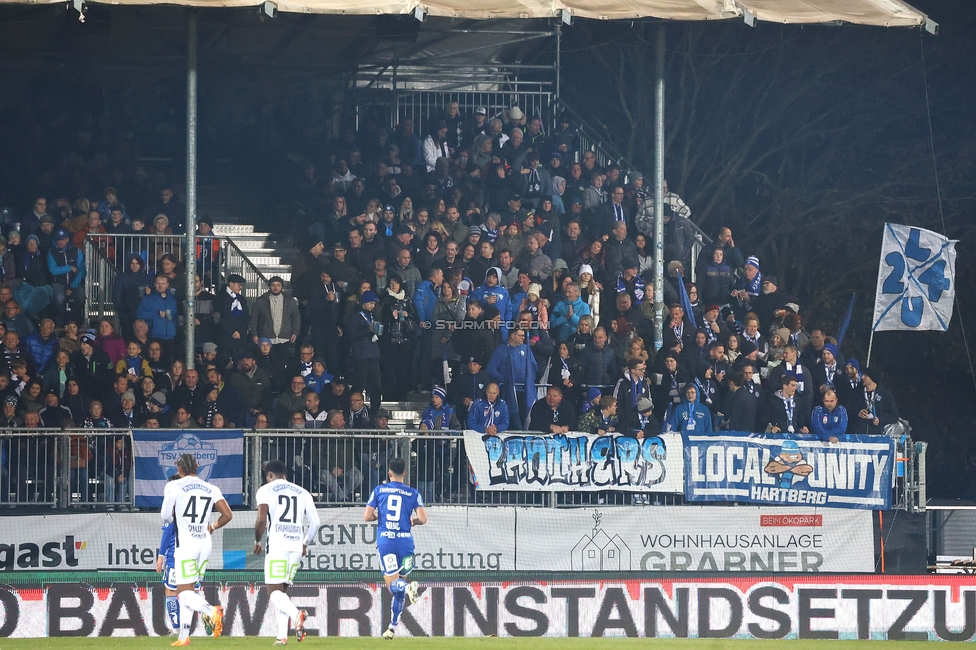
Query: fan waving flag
column 916, row 280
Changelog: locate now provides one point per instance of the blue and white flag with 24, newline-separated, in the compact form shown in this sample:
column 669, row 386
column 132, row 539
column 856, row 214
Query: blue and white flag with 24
column 916, row 280
column 219, row 454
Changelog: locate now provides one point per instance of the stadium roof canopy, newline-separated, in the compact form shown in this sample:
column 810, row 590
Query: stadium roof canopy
column 886, row 13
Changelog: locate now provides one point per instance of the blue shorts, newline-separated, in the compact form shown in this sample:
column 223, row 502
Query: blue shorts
column 169, row 574
column 396, row 556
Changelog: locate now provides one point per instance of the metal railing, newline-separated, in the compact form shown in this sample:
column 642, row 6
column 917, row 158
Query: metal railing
column 93, row 467
column 909, row 475
column 106, row 259
column 343, row 468
column 591, row 139
column 235, row 261
column 422, row 106
column 58, row 468
column 100, row 283
column 28, row 462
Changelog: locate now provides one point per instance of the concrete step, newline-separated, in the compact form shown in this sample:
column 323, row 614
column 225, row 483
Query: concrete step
column 405, row 414
column 277, row 269
column 232, row 229
column 265, row 261
column 260, row 240
column 287, row 254
column 255, row 245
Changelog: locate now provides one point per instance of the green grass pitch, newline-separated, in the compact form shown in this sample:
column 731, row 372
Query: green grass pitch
column 312, row 643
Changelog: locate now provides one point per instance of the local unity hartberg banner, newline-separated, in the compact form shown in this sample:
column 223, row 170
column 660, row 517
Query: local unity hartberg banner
column 916, row 280
column 219, row 454
column 575, row 461
column 789, row 470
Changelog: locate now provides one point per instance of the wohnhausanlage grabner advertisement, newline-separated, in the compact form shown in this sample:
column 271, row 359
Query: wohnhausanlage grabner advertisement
column 474, row 539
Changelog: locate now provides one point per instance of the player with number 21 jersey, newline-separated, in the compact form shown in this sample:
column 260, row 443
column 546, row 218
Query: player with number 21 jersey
column 283, row 510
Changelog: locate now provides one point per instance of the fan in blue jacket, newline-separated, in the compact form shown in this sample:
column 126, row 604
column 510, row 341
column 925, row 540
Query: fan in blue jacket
column 493, row 293
column 488, row 414
column 561, row 321
column 689, row 416
column 425, row 297
column 514, row 367
column 42, row 345
column 829, row 422
column 159, row 309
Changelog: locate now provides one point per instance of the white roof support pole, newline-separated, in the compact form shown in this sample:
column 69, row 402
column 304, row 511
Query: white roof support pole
column 659, row 192
column 191, row 183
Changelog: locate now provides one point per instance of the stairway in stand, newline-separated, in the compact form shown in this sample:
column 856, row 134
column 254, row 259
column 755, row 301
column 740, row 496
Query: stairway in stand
column 272, row 254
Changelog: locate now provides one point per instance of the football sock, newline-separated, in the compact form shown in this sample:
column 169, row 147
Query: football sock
column 173, row 611
column 398, row 588
column 186, row 616
column 196, row 602
column 284, row 605
column 282, row 620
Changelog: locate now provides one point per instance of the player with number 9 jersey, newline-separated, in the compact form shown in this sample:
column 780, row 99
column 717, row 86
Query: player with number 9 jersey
column 397, row 508
column 394, row 503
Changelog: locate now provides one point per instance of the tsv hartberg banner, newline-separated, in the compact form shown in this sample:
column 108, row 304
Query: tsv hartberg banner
column 575, row 461
column 219, row 454
column 789, row 470
column 916, row 280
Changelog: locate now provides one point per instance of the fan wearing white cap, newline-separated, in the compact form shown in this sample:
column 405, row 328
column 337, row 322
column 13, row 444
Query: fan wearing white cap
column 476, row 128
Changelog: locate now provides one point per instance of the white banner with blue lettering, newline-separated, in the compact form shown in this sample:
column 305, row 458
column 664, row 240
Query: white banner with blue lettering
column 788, row 469
column 916, row 280
column 219, row 454
column 575, row 462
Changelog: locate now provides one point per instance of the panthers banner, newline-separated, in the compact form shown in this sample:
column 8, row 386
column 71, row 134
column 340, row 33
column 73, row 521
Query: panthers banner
column 780, row 469
column 219, row 454
column 575, row 462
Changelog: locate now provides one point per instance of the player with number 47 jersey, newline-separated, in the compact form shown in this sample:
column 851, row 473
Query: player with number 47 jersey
column 191, row 502
column 286, row 507
column 397, row 508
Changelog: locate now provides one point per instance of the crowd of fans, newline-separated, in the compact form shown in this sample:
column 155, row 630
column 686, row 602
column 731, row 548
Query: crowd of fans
column 477, row 261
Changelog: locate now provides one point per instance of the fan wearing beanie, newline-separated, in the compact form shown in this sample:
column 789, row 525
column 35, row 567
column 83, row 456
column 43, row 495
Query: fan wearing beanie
column 749, row 287
column 364, row 330
column 827, row 374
